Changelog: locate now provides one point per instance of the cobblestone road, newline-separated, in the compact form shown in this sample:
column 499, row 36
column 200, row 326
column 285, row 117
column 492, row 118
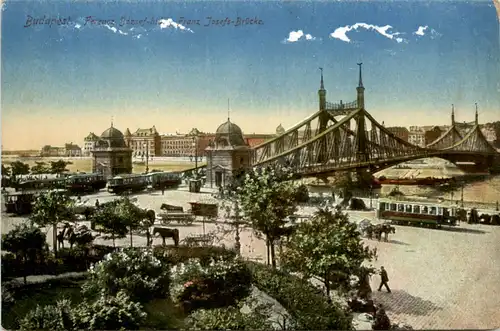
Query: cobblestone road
column 440, row 279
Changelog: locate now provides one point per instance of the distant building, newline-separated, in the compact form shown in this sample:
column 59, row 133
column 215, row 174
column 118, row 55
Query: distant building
column 400, row 132
column 52, row 151
column 489, row 133
column 433, row 134
column 111, row 155
column 144, row 142
column 257, row 139
column 179, row 145
column 226, row 155
column 280, row 130
column 89, row 143
column 72, row 150
column 416, row 136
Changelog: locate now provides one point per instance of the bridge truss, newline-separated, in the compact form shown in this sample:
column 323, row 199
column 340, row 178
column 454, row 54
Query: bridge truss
column 346, row 137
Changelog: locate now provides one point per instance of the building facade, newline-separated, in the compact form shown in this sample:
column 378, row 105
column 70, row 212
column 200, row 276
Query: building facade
column 400, row 132
column 52, row 151
column 489, row 133
column 432, row 135
column 69, row 150
column 89, row 144
column 416, row 136
column 144, row 142
column 226, row 155
column 111, row 156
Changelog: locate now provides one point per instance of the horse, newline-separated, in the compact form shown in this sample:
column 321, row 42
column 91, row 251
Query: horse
column 80, row 236
column 63, row 234
column 385, row 229
column 167, row 233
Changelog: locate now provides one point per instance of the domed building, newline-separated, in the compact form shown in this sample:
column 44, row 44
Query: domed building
column 280, row 130
column 228, row 153
column 111, row 156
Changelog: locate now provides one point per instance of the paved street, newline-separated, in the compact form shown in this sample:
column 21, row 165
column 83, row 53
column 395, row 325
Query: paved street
column 439, row 279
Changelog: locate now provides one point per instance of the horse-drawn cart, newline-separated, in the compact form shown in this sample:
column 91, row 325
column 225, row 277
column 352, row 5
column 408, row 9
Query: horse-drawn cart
column 175, row 214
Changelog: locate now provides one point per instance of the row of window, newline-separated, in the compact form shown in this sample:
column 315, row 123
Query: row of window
column 413, row 209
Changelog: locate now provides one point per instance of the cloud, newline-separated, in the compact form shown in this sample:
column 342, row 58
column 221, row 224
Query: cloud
column 421, row 30
column 341, row 32
column 115, row 30
column 169, row 23
column 295, row 36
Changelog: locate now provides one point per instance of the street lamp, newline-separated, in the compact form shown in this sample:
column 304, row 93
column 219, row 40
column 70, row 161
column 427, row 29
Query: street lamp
column 195, row 146
column 146, row 145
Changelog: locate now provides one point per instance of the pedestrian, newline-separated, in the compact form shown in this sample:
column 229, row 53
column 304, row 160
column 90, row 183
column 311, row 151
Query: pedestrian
column 97, row 203
column 162, row 189
column 384, row 279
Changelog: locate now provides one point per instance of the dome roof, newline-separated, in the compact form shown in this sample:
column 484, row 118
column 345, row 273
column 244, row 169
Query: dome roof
column 228, row 127
column 231, row 133
column 110, row 138
column 112, row 133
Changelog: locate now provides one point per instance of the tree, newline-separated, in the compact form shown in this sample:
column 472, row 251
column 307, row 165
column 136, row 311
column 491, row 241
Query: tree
column 58, row 167
column 26, row 242
column 344, row 182
column 40, row 168
column 19, row 168
column 328, row 246
column 5, row 171
column 109, row 219
column 51, row 208
column 129, row 214
column 266, row 197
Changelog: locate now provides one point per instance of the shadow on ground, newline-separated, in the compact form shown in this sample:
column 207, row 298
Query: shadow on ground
column 464, row 230
column 397, row 242
column 401, row 302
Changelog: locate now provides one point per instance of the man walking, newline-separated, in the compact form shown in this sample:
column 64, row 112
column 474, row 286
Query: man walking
column 384, row 279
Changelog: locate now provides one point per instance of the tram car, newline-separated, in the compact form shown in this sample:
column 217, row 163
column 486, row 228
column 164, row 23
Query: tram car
column 84, row 183
column 417, row 213
column 19, row 203
column 127, row 183
column 41, row 184
column 157, row 180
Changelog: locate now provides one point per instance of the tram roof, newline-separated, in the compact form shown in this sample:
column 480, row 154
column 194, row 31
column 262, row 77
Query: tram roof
column 420, row 203
column 127, row 176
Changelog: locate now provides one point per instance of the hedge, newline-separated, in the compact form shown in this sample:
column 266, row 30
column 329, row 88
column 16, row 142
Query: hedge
column 307, row 305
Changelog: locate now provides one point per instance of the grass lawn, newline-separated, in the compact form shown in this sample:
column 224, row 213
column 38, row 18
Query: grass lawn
column 85, row 164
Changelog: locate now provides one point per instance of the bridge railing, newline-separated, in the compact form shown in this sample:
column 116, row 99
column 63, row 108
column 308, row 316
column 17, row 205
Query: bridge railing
column 341, row 105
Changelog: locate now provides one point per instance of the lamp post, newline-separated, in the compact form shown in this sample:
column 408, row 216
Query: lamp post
column 146, row 145
column 462, row 197
column 195, row 146
column 236, row 222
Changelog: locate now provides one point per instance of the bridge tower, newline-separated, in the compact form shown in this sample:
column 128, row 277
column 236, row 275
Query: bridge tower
column 477, row 117
column 452, row 114
column 362, row 152
column 323, row 119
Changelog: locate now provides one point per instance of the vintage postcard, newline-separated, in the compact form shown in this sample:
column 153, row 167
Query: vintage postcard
column 280, row 165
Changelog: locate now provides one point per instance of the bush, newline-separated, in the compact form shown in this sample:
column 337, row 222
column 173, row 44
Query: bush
column 181, row 254
column 307, row 305
column 135, row 271
column 110, row 313
column 221, row 283
column 54, row 317
column 227, row 319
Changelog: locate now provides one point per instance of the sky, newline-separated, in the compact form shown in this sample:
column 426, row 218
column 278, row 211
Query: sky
column 72, row 67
